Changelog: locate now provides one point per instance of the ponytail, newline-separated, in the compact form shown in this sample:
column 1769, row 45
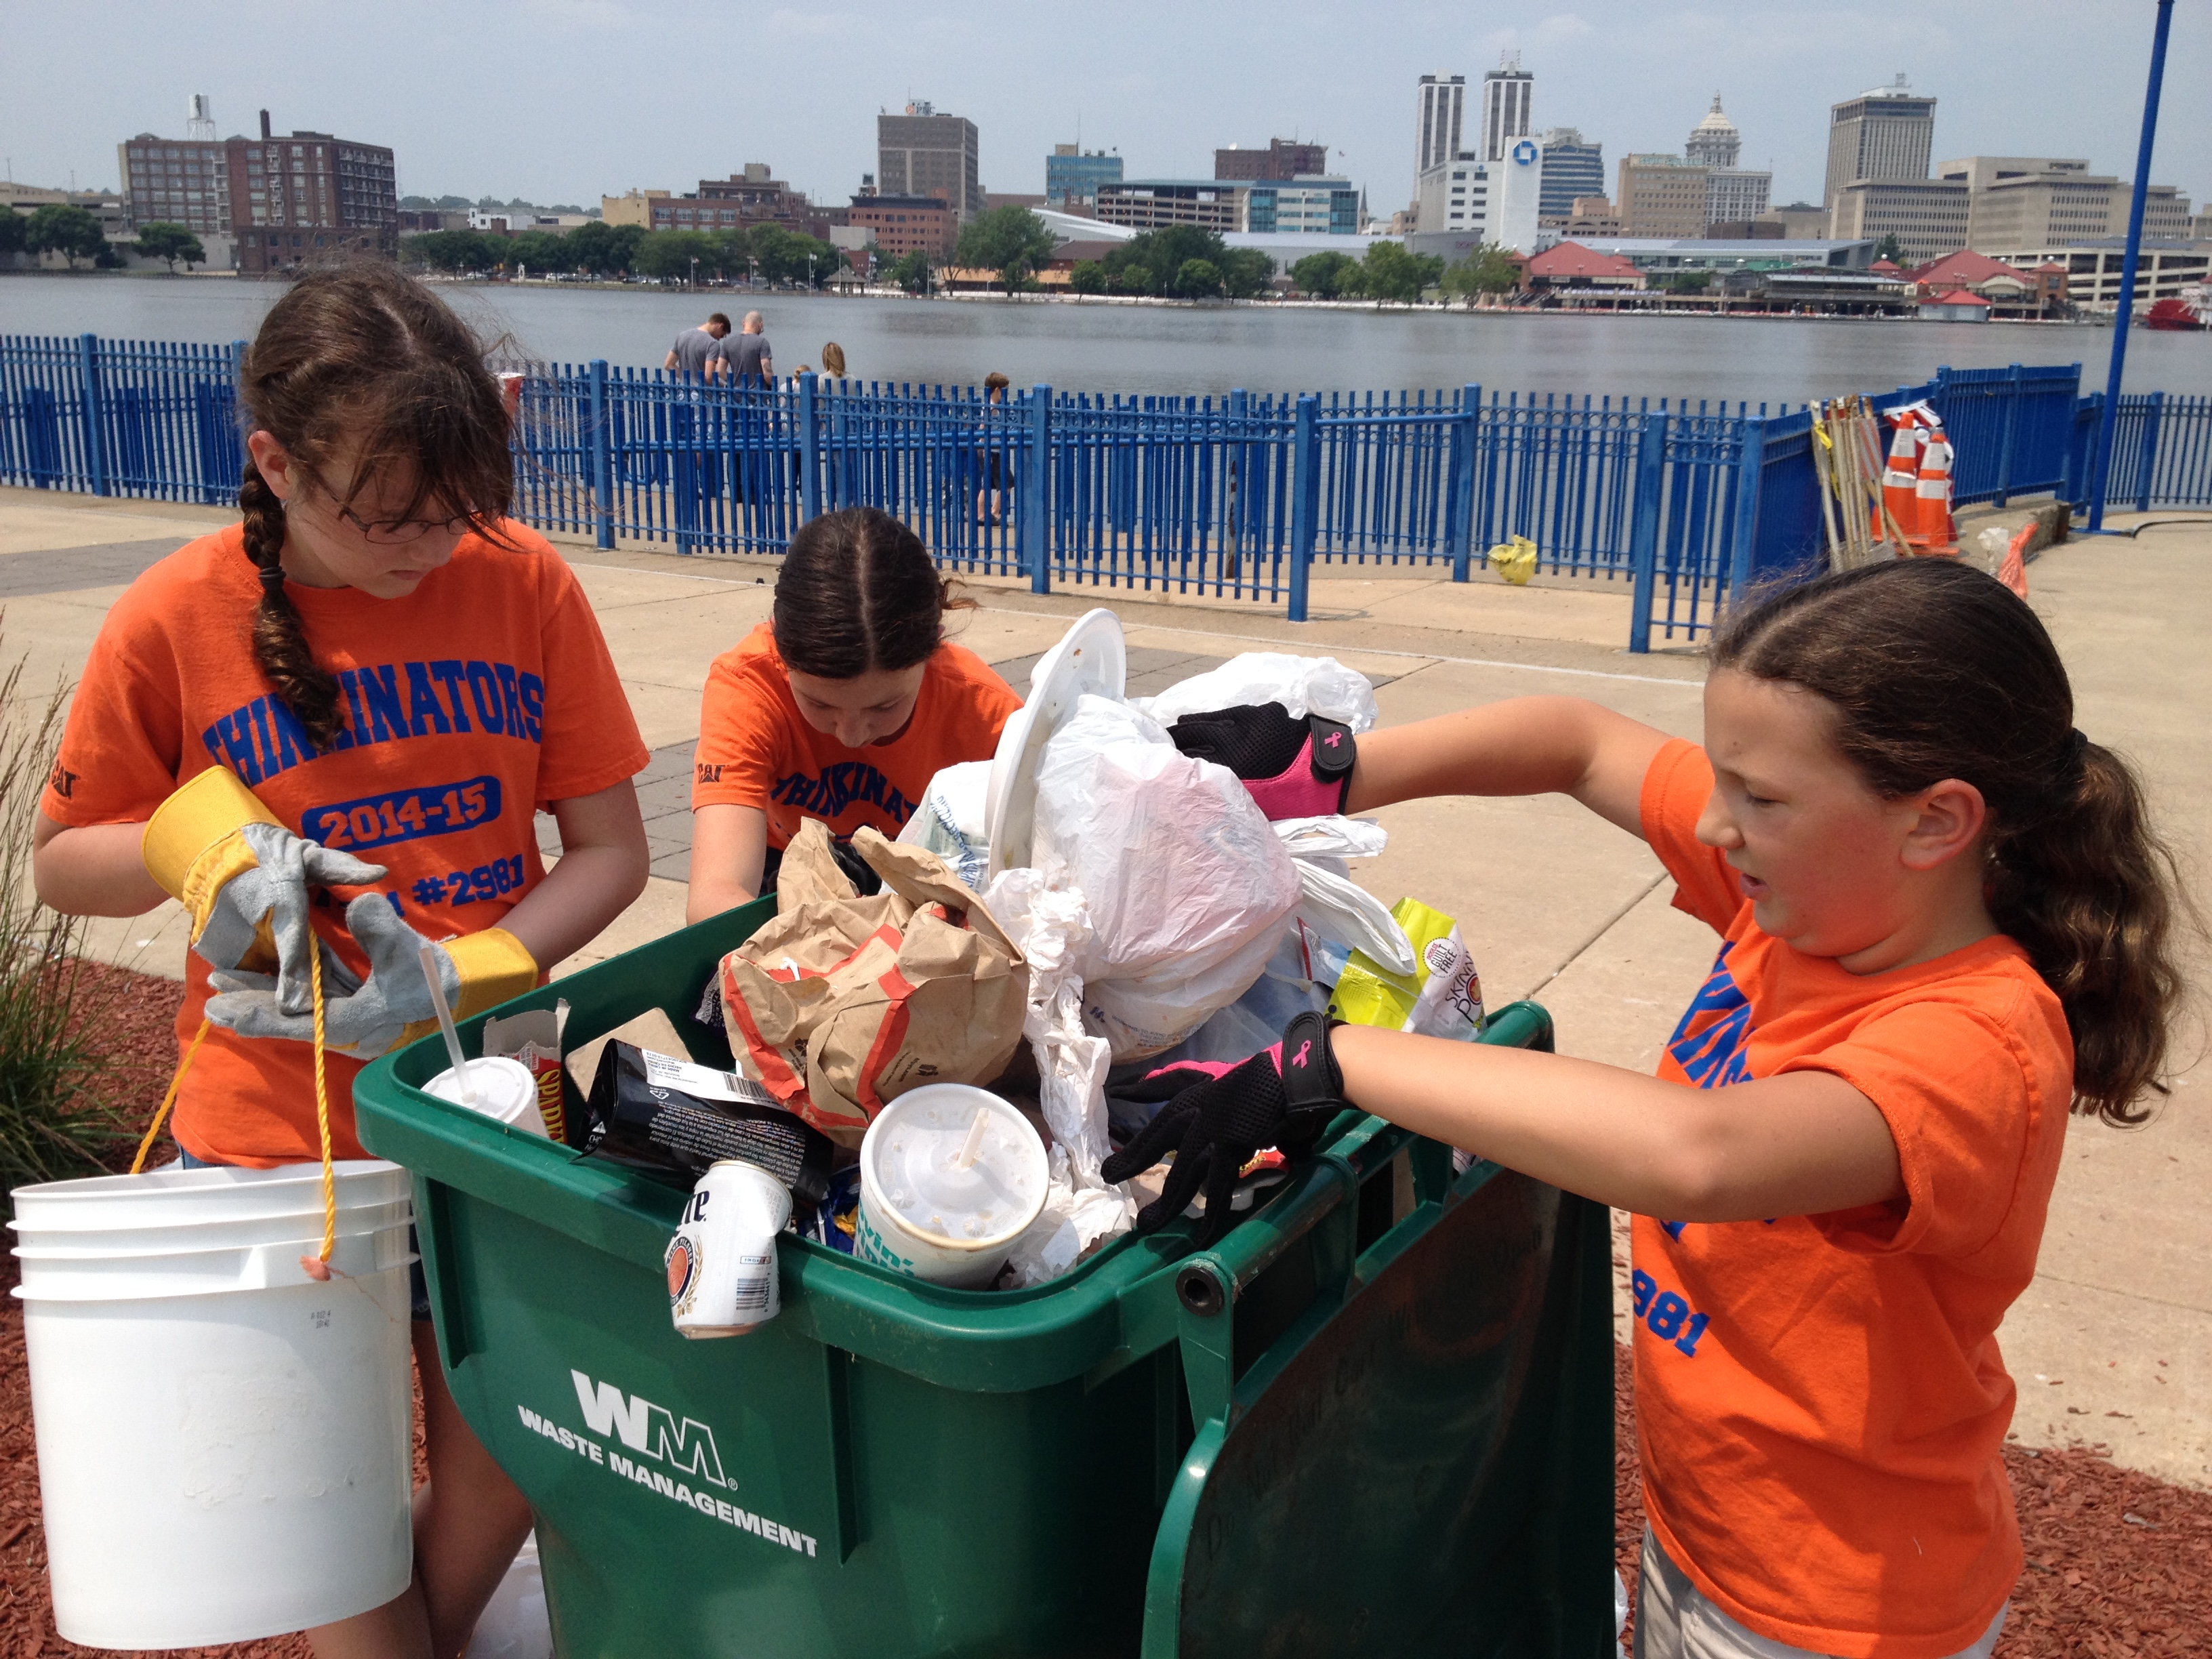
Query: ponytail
column 281, row 650
column 1935, row 670
column 2089, row 890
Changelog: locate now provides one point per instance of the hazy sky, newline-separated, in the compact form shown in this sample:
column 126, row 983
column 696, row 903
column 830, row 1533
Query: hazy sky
column 564, row 99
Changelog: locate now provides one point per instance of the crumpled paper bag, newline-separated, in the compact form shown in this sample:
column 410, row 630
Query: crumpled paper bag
column 844, row 1003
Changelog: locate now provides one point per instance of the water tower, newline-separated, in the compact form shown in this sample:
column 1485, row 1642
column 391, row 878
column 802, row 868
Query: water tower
column 199, row 119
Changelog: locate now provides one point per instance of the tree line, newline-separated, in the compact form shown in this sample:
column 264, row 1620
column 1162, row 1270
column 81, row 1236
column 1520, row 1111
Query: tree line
column 74, row 234
column 770, row 253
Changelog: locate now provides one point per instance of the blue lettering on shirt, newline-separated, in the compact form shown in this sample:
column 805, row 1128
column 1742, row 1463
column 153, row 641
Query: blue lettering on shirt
column 1713, row 1044
column 838, row 786
column 385, row 703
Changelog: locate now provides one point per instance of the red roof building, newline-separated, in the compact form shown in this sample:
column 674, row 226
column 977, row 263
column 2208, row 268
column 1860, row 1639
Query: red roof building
column 1570, row 265
column 1965, row 269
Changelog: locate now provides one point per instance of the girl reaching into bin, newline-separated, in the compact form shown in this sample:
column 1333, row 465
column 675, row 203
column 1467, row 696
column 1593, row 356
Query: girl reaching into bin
column 330, row 725
column 1945, row 920
column 842, row 707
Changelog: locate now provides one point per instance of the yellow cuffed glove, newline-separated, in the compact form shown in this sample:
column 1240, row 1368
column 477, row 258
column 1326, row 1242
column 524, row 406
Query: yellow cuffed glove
column 244, row 878
column 477, row 971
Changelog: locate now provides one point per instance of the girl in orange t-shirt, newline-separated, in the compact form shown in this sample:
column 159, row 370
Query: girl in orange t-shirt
column 367, row 688
column 842, row 708
column 1945, row 921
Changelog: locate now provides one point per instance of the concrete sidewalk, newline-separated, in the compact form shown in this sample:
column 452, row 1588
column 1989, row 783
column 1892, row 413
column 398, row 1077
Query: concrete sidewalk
column 2112, row 1344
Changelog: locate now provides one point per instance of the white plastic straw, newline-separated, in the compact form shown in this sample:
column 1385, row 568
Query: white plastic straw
column 974, row 1143
column 428, row 955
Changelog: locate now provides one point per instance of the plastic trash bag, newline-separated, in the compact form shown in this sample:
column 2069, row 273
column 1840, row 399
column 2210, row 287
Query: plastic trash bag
column 1188, row 886
column 1050, row 927
column 950, row 821
column 1304, row 685
column 514, row 1623
column 1334, row 906
column 1515, row 559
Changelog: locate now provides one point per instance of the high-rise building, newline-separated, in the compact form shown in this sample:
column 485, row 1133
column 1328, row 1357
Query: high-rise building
column 1714, row 141
column 921, row 153
column 1312, row 206
column 1662, row 195
column 1507, row 93
column 906, row 224
column 1571, row 168
column 1284, row 158
column 1437, row 134
column 2045, row 201
column 1885, row 134
column 289, row 202
column 1072, row 178
column 1736, row 193
column 1927, row 216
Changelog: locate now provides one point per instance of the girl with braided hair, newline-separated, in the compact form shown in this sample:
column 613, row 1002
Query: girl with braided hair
column 327, row 729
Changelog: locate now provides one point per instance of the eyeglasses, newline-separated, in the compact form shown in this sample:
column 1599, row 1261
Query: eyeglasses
column 398, row 533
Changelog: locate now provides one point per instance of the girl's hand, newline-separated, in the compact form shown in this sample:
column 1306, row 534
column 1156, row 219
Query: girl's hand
column 1218, row 1115
column 1295, row 769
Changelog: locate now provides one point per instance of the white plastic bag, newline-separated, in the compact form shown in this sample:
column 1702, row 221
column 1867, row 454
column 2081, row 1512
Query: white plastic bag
column 1304, row 685
column 1188, row 885
column 1333, row 905
column 949, row 822
column 1049, row 928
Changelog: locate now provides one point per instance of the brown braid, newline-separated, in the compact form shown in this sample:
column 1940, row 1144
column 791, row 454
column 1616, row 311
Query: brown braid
column 281, row 650
column 360, row 370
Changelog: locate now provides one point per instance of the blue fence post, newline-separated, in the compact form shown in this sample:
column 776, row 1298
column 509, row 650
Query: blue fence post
column 2014, row 392
column 1305, row 500
column 1034, row 497
column 2147, row 454
column 603, row 468
column 93, row 407
column 1644, row 529
column 810, row 451
column 1466, row 436
column 1750, row 474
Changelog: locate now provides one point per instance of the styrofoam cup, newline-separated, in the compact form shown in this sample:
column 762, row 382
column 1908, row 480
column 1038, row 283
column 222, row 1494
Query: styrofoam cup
column 506, row 1090
column 924, row 1216
column 721, row 1262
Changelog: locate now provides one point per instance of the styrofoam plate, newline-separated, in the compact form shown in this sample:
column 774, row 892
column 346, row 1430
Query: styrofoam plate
column 1091, row 659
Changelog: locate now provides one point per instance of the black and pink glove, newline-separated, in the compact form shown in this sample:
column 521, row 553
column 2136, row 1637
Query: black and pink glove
column 1295, row 769
column 1218, row 1115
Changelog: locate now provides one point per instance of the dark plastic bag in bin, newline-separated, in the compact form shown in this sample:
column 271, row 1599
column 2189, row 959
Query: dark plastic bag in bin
column 670, row 1117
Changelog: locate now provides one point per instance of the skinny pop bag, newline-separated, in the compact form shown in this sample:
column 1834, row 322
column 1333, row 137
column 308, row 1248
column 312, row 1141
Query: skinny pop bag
column 1442, row 997
column 845, row 1003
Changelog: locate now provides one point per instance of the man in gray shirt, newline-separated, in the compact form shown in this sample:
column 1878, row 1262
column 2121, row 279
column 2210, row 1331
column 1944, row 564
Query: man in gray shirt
column 744, row 357
column 694, row 351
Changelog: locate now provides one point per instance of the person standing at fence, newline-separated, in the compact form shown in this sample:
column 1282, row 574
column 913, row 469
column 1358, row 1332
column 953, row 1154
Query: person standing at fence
column 833, row 360
column 695, row 352
column 842, row 707
column 745, row 358
column 994, row 466
column 1946, row 919
column 326, row 729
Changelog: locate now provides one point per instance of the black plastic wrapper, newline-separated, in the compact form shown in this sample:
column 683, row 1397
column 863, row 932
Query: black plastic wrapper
column 660, row 1130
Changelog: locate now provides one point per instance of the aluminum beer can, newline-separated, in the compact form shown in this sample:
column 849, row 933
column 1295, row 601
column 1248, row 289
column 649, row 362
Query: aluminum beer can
column 721, row 1262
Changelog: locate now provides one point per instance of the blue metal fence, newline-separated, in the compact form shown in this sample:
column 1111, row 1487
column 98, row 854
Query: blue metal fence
column 1243, row 497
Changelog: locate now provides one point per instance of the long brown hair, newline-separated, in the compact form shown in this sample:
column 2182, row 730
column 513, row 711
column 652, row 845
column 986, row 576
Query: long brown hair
column 857, row 593
column 360, row 364
column 1935, row 670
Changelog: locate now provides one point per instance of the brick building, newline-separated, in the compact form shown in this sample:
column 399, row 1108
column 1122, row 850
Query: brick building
column 1283, row 159
column 907, row 224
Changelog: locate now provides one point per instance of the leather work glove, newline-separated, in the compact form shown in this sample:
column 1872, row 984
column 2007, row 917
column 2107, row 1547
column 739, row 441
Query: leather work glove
column 244, row 878
column 1218, row 1115
column 1295, row 769
column 392, row 1007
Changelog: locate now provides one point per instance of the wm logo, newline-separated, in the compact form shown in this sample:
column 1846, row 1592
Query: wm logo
column 649, row 1430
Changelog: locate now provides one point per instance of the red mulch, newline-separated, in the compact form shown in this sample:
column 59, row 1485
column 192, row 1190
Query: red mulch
column 2119, row 1565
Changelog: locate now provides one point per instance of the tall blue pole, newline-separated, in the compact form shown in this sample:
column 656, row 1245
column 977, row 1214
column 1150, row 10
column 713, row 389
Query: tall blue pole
column 2112, row 409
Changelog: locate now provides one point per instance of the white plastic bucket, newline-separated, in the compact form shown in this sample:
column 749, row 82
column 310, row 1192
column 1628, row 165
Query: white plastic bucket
column 223, row 1442
column 206, row 1235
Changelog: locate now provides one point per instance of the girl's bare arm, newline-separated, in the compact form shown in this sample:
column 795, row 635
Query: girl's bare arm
column 603, row 866
column 91, row 870
column 729, row 850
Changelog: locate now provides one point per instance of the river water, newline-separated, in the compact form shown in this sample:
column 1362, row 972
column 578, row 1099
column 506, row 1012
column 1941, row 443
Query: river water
column 1181, row 349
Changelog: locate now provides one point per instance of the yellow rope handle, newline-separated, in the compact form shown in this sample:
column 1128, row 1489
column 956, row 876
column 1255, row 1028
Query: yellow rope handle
column 323, row 1128
column 154, row 1130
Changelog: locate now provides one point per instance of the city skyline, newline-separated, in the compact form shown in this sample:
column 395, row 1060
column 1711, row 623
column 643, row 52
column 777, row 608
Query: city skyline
column 1632, row 79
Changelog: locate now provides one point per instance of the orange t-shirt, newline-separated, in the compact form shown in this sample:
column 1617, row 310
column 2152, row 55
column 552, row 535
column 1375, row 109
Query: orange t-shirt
column 1820, row 1404
column 755, row 749
column 485, row 693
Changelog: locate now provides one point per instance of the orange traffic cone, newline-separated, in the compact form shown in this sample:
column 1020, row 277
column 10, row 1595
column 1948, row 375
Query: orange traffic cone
column 1931, row 528
column 1900, row 480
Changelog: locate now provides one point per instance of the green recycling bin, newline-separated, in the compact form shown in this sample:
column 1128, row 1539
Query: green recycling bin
column 1377, row 1418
